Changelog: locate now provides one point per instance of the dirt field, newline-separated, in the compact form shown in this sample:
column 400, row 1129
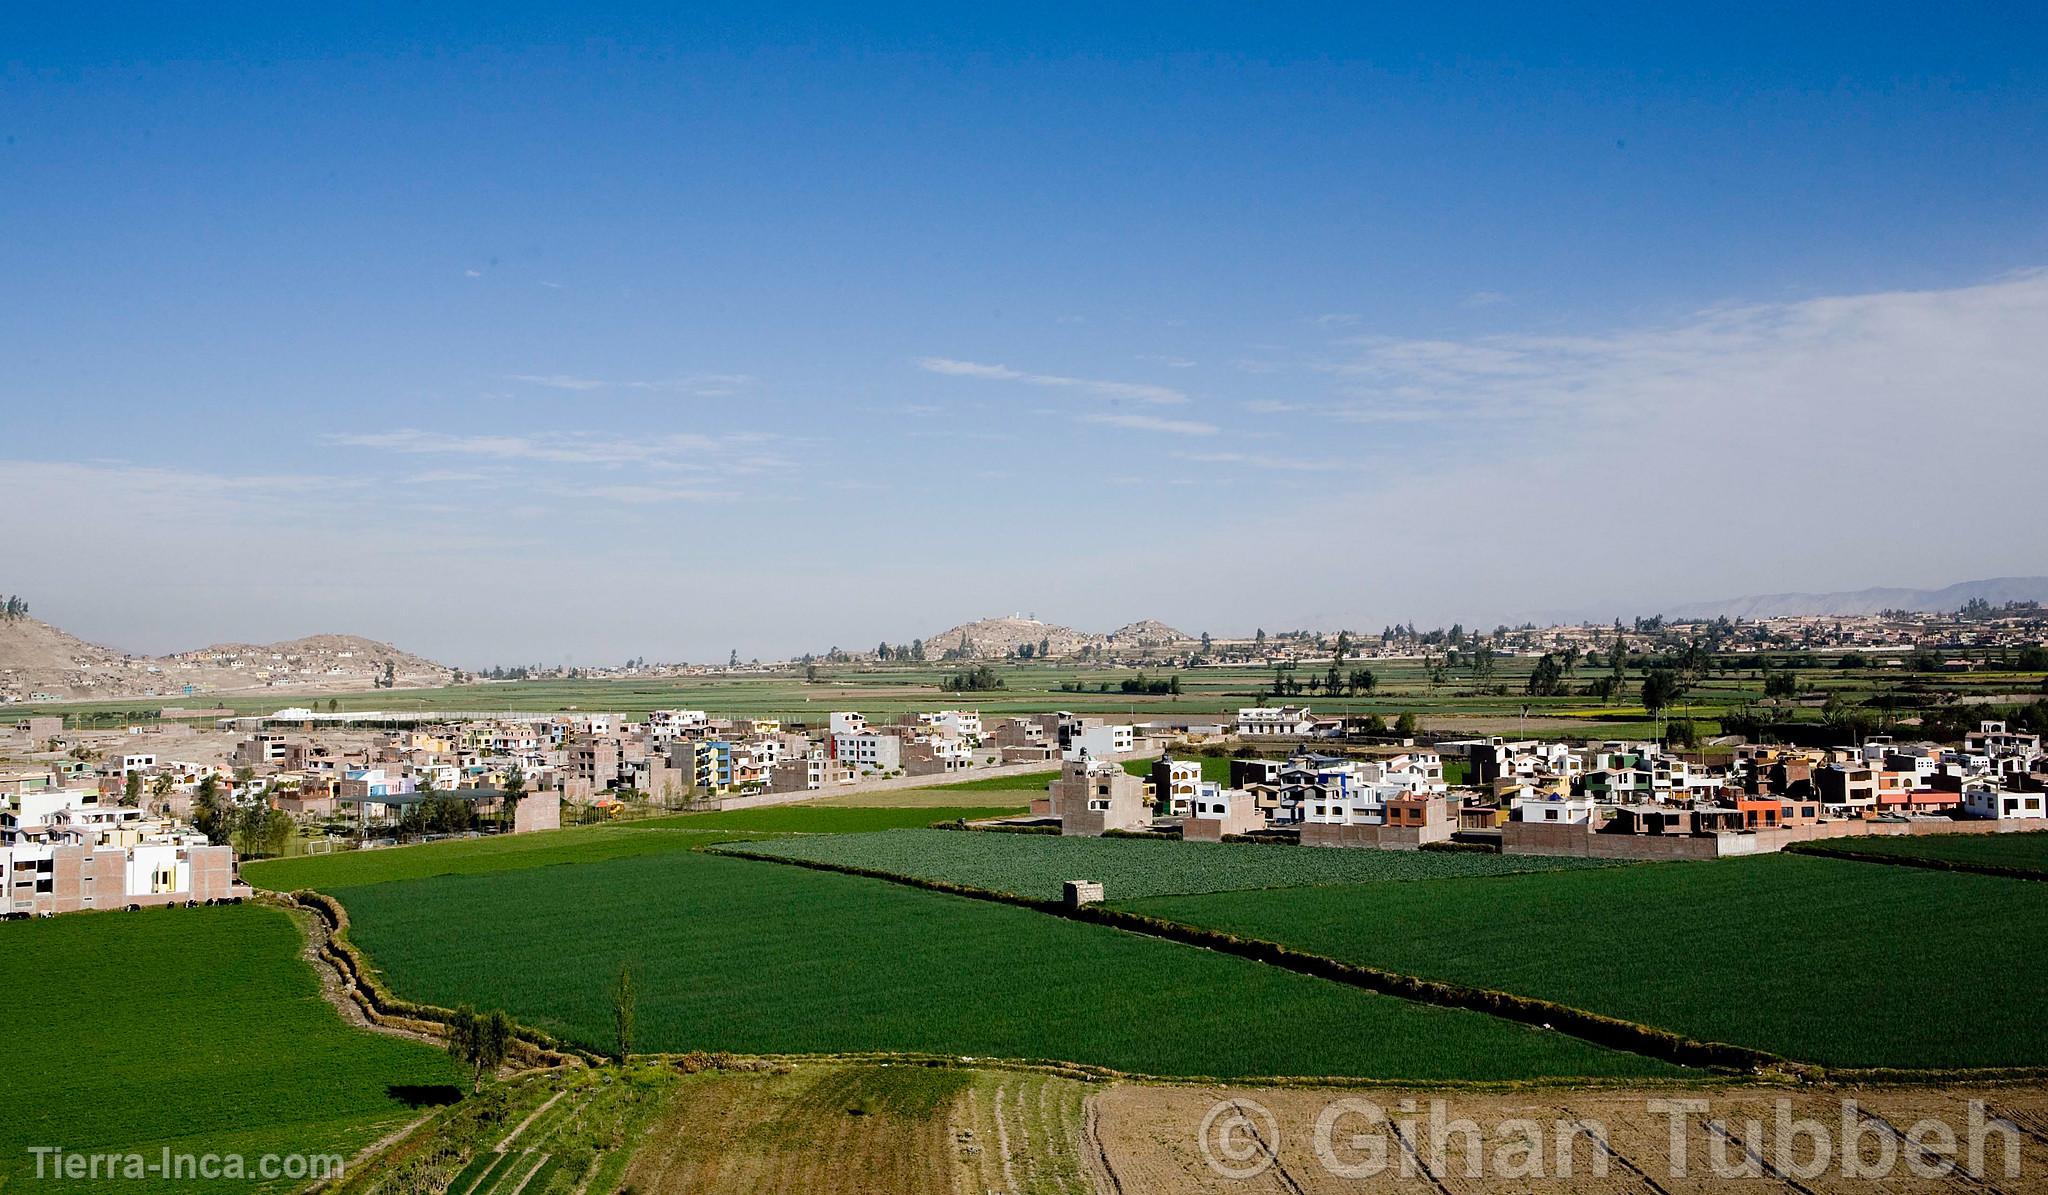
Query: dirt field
column 1148, row 1139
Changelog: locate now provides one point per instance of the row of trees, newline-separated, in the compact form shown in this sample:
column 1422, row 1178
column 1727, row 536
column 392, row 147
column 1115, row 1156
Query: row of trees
column 14, row 607
column 1335, row 681
column 979, row 679
column 481, row 1041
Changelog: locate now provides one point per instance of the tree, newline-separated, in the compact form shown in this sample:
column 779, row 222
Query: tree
column 732, row 660
column 479, row 1041
column 332, row 705
column 1781, row 684
column 1682, row 733
column 1660, row 689
column 1617, row 668
column 1343, row 647
column 209, row 810
column 1259, row 641
column 515, row 791
column 1404, row 726
column 1045, row 647
column 623, row 1013
column 1205, row 643
column 131, row 790
column 1547, row 680
column 917, row 650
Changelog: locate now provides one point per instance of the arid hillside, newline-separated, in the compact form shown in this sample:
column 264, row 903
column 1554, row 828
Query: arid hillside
column 41, row 662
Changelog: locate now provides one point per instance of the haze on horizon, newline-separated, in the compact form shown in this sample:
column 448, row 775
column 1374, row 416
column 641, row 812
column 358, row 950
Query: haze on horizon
column 508, row 335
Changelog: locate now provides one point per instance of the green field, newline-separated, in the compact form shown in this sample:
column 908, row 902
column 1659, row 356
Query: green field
column 1457, row 704
column 2026, row 852
column 471, row 856
column 1022, row 782
column 746, row 956
column 825, row 819
column 1036, row 865
column 1822, row 960
column 198, row 1029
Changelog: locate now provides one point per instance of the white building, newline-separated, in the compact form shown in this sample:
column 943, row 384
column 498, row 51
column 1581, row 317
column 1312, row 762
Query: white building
column 963, row 724
column 847, row 722
column 1573, row 811
column 1100, row 742
column 1295, row 720
column 867, row 750
column 1995, row 803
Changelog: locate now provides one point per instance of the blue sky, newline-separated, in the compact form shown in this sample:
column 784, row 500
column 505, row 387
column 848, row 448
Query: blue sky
column 516, row 335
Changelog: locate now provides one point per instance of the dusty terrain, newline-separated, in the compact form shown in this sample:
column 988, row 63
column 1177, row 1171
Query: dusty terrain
column 1149, row 1139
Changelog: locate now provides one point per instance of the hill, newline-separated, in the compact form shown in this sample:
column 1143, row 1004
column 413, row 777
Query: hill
column 41, row 662
column 1996, row 590
column 1149, row 632
column 992, row 637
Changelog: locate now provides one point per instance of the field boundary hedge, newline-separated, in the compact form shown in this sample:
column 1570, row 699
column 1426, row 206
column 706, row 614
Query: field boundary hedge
column 363, row 985
column 1599, row 1029
column 1999, row 870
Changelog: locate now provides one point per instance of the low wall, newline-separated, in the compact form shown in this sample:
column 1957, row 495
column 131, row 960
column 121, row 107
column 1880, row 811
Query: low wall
column 537, row 811
column 1386, row 838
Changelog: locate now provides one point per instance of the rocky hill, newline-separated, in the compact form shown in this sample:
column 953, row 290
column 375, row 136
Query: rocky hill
column 990, row 638
column 41, row 662
column 1148, row 632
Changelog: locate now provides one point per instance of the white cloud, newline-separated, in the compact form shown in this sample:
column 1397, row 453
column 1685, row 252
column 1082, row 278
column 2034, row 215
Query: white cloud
column 1148, row 423
column 1139, row 391
column 557, row 381
column 1830, row 443
column 1484, row 298
column 1256, row 460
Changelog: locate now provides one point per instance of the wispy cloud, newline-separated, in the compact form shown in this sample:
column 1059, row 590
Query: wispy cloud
column 701, row 385
column 557, row 381
column 1138, row 391
column 1484, row 298
column 572, row 448
column 1254, row 460
column 1148, row 423
column 1170, row 362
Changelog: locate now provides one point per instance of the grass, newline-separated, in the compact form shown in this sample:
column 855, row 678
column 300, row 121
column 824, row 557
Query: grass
column 825, row 819
column 198, row 1029
column 1021, row 782
column 473, row 856
column 736, row 955
column 1827, row 961
column 1036, row 866
column 820, row 1130
column 2024, row 852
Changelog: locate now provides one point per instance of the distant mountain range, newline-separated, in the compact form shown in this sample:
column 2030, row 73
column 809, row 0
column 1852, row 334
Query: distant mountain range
column 37, row 658
column 1997, row 591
